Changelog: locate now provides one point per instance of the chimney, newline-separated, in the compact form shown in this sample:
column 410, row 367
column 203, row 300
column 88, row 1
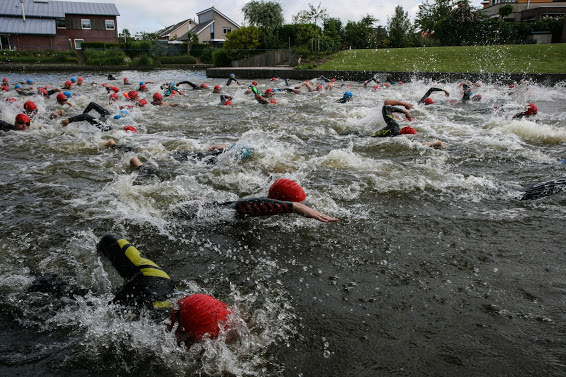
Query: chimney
column 23, row 12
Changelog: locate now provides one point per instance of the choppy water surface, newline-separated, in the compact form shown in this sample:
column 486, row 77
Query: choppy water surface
column 435, row 267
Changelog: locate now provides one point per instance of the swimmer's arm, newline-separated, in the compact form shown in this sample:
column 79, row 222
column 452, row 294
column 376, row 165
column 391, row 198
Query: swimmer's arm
column 392, row 102
column 218, row 146
column 267, row 207
column 306, row 211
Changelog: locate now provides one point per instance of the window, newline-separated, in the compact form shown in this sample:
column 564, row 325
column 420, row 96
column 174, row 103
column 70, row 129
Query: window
column 85, row 23
column 60, row 22
column 78, row 43
column 226, row 30
column 110, row 25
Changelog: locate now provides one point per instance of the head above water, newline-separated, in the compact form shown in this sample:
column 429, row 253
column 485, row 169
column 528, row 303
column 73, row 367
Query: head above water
column 428, row 101
column 286, row 190
column 348, row 95
column 22, row 122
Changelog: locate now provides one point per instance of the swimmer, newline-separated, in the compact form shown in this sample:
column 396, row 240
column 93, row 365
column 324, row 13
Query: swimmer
column 467, row 93
column 542, row 189
column 30, row 108
column 217, row 89
column 126, row 81
column 147, row 285
column 252, row 88
column 192, row 85
column 232, row 79
column 284, row 196
column 62, row 101
column 21, row 123
column 24, row 91
column 89, row 118
column 392, row 128
column 529, row 112
column 259, row 98
column 111, row 77
column 158, row 101
column 427, row 101
column 46, row 93
column 346, row 98
column 67, row 85
column 225, row 100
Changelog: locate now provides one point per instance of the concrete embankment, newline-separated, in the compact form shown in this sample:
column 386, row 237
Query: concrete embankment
column 298, row 74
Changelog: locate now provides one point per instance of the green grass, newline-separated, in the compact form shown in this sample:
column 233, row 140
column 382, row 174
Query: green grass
column 541, row 58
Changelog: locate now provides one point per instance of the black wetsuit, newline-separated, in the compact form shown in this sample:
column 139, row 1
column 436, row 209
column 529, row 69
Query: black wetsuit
column 209, row 157
column 146, row 284
column 428, row 93
column 92, row 120
column 224, row 98
column 5, row 126
column 193, row 85
column 392, row 128
column 230, row 81
column 543, row 189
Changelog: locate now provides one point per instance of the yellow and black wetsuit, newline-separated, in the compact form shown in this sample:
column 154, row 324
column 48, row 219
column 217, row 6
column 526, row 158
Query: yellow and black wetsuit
column 392, row 128
column 146, row 283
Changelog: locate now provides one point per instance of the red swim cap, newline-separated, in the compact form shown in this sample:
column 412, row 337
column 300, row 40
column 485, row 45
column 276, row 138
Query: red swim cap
column 228, row 103
column 41, row 91
column 286, row 190
column 142, row 102
column 157, row 96
column 511, row 86
column 428, row 101
column 126, row 79
column 61, row 97
column 200, row 315
column 68, row 84
column 132, row 94
column 254, row 82
column 269, row 91
column 408, row 131
column 80, row 79
column 5, row 88
column 375, row 87
column 114, row 89
column 114, row 96
column 217, row 87
column 143, row 87
column 400, row 82
column 22, row 118
column 273, row 79
column 130, row 128
column 334, row 79
column 203, row 85
column 531, row 109
column 30, row 106
column 274, row 101
column 11, row 100
column 386, row 84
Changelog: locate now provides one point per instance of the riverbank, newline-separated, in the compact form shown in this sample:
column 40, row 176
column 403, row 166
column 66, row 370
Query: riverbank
column 549, row 79
column 299, row 74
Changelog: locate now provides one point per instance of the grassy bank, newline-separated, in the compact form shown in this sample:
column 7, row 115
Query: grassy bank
column 541, row 58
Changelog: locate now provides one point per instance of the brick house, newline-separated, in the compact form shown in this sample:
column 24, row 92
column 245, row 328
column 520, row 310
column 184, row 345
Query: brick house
column 57, row 25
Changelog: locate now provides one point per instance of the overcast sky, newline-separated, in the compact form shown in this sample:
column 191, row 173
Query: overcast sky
column 152, row 15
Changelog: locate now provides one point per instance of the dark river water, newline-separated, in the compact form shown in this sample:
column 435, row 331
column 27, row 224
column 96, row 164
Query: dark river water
column 434, row 269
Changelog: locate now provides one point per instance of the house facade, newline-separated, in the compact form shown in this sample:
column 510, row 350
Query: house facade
column 57, row 25
column 525, row 10
column 213, row 27
column 177, row 33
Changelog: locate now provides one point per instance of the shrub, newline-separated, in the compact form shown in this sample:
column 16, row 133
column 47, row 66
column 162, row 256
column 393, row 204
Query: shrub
column 45, row 56
column 221, row 58
column 206, row 55
column 105, row 57
column 143, row 60
column 197, row 49
column 183, row 59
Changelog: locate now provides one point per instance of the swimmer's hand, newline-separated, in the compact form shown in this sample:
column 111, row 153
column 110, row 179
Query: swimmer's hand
column 303, row 210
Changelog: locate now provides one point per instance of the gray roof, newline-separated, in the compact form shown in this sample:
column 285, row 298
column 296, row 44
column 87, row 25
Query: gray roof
column 55, row 9
column 10, row 25
column 165, row 32
column 200, row 27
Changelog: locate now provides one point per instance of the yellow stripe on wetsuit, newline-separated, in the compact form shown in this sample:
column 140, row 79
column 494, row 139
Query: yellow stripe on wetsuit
column 134, row 255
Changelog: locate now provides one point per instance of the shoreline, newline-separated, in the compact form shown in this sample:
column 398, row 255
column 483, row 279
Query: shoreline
column 548, row 79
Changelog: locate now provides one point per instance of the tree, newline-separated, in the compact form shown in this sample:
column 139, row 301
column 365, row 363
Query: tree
column 429, row 14
column 504, row 11
column 312, row 15
column 399, row 28
column 241, row 40
column 361, row 34
column 125, row 34
column 266, row 14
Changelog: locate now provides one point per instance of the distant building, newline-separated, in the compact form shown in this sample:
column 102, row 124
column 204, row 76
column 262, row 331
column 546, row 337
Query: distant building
column 177, row 33
column 58, row 25
column 525, row 10
column 211, row 28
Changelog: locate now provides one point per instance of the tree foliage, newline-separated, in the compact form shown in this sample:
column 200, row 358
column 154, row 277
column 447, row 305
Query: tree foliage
column 400, row 28
column 266, row 14
column 311, row 15
column 361, row 34
column 245, row 38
